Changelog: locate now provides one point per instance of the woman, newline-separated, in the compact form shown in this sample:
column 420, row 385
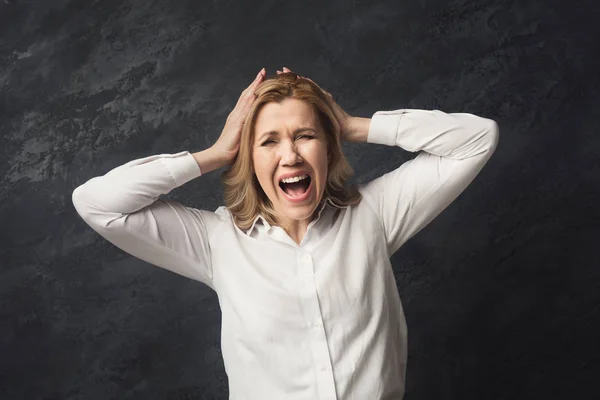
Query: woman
column 300, row 262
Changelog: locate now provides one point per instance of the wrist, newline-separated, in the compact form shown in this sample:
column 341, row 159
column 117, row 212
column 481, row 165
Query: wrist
column 211, row 159
column 358, row 129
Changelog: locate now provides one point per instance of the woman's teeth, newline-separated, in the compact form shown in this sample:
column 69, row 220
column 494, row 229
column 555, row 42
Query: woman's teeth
column 294, row 179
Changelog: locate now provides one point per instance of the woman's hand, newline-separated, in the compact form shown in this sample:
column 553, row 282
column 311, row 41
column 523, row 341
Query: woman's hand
column 344, row 120
column 228, row 144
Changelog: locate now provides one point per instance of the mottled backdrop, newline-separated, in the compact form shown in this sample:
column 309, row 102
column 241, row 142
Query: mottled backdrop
column 502, row 291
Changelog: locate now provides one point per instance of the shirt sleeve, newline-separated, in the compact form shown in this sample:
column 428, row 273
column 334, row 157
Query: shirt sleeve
column 123, row 206
column 453, row 150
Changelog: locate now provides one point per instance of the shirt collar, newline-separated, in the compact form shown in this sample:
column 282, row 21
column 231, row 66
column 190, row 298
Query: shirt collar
column 262, row 224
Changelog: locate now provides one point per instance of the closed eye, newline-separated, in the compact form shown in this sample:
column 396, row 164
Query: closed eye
column 266, row 142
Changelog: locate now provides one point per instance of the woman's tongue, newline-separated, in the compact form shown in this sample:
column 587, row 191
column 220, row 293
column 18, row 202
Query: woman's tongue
column 296, row 189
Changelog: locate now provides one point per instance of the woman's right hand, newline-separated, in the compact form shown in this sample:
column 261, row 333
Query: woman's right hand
column 228, row 143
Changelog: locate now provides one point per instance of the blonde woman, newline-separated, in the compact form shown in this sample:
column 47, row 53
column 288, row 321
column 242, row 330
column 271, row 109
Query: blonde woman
column 300, row 262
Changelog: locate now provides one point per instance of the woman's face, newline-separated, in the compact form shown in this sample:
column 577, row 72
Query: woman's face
column 289, row 142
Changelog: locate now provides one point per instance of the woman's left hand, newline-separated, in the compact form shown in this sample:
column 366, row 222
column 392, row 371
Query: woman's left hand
column 344, row 119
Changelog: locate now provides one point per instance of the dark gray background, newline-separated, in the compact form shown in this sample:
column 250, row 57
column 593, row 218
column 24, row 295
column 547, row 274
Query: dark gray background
column 501, row 291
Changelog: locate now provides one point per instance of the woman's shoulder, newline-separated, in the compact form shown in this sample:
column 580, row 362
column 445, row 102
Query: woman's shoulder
column 211, row 219
column 223, row 213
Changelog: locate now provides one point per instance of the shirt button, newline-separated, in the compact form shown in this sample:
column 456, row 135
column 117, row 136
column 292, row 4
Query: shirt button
column 322, row 368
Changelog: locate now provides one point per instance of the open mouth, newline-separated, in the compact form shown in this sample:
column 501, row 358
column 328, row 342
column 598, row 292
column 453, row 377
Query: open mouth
column 296, row 189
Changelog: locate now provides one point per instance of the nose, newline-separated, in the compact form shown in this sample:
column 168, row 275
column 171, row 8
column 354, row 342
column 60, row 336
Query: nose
column 289, row 153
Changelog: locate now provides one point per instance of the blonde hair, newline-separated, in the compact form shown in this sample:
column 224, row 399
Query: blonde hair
column 243, row 195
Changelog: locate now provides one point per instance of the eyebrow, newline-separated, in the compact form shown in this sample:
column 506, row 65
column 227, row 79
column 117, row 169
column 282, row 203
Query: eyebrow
column 271, row 133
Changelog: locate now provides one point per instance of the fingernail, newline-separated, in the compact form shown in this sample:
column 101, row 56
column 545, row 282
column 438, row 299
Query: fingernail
column 259, row 73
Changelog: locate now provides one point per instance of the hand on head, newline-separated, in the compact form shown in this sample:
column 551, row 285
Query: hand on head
column 228, row 143
column 342, row 117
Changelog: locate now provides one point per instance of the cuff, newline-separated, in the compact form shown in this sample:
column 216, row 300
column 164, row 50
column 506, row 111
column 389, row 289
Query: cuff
column 182, row 167
column 384, row 127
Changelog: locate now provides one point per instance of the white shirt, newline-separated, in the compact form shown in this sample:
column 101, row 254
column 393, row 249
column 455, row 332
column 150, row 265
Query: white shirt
column 320, row 320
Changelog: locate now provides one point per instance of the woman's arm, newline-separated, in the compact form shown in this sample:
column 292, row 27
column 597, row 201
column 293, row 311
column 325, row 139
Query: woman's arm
column 358, row 130
column 209, row 160
column 454, row 148
column 123, row 206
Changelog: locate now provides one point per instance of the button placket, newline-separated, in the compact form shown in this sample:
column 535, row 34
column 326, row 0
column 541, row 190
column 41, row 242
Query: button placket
column 318, row 340
column 306, row 265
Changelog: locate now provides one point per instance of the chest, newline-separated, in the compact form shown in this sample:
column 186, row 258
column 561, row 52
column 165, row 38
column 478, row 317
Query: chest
column 266, row 289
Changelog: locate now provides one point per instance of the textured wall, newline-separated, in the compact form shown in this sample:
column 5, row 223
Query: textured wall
column 501, row 291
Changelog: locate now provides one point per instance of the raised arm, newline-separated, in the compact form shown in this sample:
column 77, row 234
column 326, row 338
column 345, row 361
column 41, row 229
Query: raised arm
column 454, row 148
column 124, row 207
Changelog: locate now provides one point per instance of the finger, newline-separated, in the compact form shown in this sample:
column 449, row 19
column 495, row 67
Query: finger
column 252, row 87
column 258, row 79
column 249, row 94
column 261, row 75
column 286, row 69
column 245, row 96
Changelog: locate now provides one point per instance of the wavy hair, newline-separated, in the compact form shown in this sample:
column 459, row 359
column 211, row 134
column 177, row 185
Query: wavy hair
column 243, row 194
